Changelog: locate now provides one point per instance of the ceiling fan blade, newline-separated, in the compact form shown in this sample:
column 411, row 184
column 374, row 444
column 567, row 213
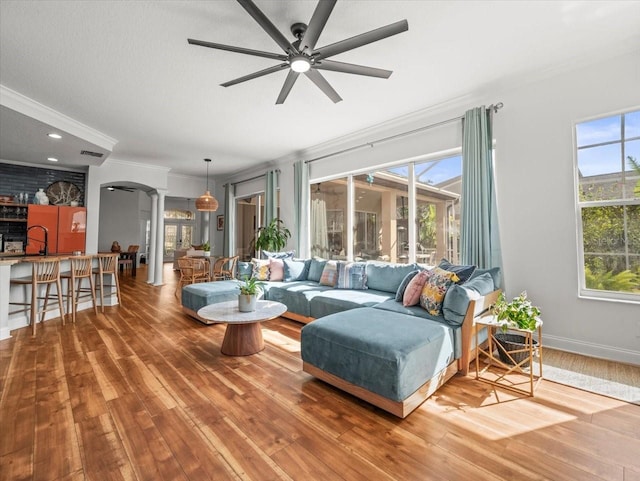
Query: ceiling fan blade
column 362, row 39
column 230, row 48
column 267, row 26
column 317, row 78
column 316, row 24
column 286, row 88
column 260, row 73
column 352, row 68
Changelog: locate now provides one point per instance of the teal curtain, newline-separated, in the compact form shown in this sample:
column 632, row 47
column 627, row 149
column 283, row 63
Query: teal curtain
column 480, row 236
column 271, row 196
column 229, row 215
column 301, row 206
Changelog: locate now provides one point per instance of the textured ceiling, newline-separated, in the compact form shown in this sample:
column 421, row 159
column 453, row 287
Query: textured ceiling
column 125, row 68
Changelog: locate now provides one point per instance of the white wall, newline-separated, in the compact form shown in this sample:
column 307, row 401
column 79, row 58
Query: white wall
column 534, row 157
column 120, row 218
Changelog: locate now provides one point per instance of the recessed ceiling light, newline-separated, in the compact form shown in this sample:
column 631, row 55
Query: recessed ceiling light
column 52, row 159
column 55, row 136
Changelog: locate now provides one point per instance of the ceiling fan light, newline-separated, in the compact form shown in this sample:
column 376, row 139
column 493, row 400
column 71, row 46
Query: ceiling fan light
column 300, row 64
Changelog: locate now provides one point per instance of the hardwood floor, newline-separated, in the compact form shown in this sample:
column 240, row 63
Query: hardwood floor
column 142, row 392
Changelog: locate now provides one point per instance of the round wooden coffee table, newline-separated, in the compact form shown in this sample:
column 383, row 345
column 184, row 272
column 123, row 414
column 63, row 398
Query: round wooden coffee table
column 243, row 336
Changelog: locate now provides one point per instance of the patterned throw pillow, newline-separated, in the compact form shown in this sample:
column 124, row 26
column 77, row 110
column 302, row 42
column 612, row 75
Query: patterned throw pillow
column 435, row 288
column 260, row 269
column 352, row 275
column 329, row 275
column 277, row 255
column 276, row 269
column 412, row 293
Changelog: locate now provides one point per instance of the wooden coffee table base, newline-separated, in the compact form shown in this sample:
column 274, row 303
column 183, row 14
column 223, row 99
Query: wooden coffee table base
column 242, row 339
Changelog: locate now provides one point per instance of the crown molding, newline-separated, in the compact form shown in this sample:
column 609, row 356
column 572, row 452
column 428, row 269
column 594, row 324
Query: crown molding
column 26, row 106
column 127, row 163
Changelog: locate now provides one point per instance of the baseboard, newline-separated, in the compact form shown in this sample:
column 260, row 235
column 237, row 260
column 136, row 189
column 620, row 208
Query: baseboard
column 591, row 349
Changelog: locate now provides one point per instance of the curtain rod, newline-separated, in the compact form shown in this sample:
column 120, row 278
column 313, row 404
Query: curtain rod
column 249, row 179
column 494, row 107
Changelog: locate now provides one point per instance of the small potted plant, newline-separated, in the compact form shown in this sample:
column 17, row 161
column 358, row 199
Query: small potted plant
column 517, row 314
column 206, row 247
column 249, row 291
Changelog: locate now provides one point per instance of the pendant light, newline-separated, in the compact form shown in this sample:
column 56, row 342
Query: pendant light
column 207, row 202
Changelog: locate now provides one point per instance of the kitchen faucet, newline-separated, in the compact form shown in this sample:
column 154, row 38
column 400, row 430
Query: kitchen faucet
column 44, row 251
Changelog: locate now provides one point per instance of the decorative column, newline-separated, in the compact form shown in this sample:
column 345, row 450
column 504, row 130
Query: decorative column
column 151, row 255
column 159, row 254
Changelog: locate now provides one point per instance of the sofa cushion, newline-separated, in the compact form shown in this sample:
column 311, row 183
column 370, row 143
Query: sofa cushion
column 296, row 269
column 403, row 285
column 296, row 295
column 315, row 269
column 245, row 269
column 386, row 276
column 338, row 300
column 386, row 353
column 352, row 275
column 463, row 272
column 412, row 293
column 434, row 289
column 329, row 275
column 457, row 299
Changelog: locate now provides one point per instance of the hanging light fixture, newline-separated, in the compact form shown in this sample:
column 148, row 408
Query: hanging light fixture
column 207, row 202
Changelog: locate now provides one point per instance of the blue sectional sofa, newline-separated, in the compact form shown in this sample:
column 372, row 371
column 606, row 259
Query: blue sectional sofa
column 364, row 341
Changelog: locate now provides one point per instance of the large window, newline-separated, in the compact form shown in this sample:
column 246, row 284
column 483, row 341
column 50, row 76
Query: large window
column 405, row 213
column 608, row 200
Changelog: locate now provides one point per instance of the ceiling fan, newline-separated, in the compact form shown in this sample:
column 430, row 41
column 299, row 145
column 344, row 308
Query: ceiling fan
column 302, row 56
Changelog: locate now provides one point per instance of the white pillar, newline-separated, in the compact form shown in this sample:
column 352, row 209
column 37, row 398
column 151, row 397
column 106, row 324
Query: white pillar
column 151, row 255
column 206, row 226
column 159, row 239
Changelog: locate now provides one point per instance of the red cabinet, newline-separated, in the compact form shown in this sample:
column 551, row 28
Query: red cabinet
column 66, row 228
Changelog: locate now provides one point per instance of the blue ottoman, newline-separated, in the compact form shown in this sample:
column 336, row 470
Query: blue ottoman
column 196, row 296
column 391, row 360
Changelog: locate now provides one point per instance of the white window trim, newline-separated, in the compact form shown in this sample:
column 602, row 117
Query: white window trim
column 583, row 291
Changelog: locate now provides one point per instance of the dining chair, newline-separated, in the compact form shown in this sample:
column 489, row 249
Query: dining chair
column 192, row 270
column 126, row 260
column 229, row 269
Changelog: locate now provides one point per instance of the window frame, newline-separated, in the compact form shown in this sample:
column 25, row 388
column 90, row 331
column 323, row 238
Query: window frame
column 583, row 290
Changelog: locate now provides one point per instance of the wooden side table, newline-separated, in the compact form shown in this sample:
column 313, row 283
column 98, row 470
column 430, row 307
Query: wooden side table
column 519, row 357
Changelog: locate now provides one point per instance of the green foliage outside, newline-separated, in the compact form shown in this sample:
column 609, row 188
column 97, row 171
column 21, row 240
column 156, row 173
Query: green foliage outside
column 427, row 223
column 605, row 244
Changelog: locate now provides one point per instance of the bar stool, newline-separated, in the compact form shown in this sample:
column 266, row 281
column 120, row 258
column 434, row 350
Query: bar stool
column 80, row 269
column 47, row 272
column 107, row 265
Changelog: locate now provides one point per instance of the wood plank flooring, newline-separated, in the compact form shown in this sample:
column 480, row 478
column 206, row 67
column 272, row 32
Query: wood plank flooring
column 142, row 392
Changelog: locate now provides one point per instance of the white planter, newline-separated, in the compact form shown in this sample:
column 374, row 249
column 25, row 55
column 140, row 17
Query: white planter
column 207, row 253
column 247, row 302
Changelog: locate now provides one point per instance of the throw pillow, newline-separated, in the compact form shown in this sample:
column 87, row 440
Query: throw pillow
column 315, row 269
column 329, row 275
column 260, row 269
column 276, row 269
column 277, row 255
column 403, row 285
column 412, row 293
column 352, row 275
column 435, row 288
column 463, row 272
column 296, row 269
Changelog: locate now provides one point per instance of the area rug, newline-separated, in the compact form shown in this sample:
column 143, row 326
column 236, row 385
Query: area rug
column 612, row 379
